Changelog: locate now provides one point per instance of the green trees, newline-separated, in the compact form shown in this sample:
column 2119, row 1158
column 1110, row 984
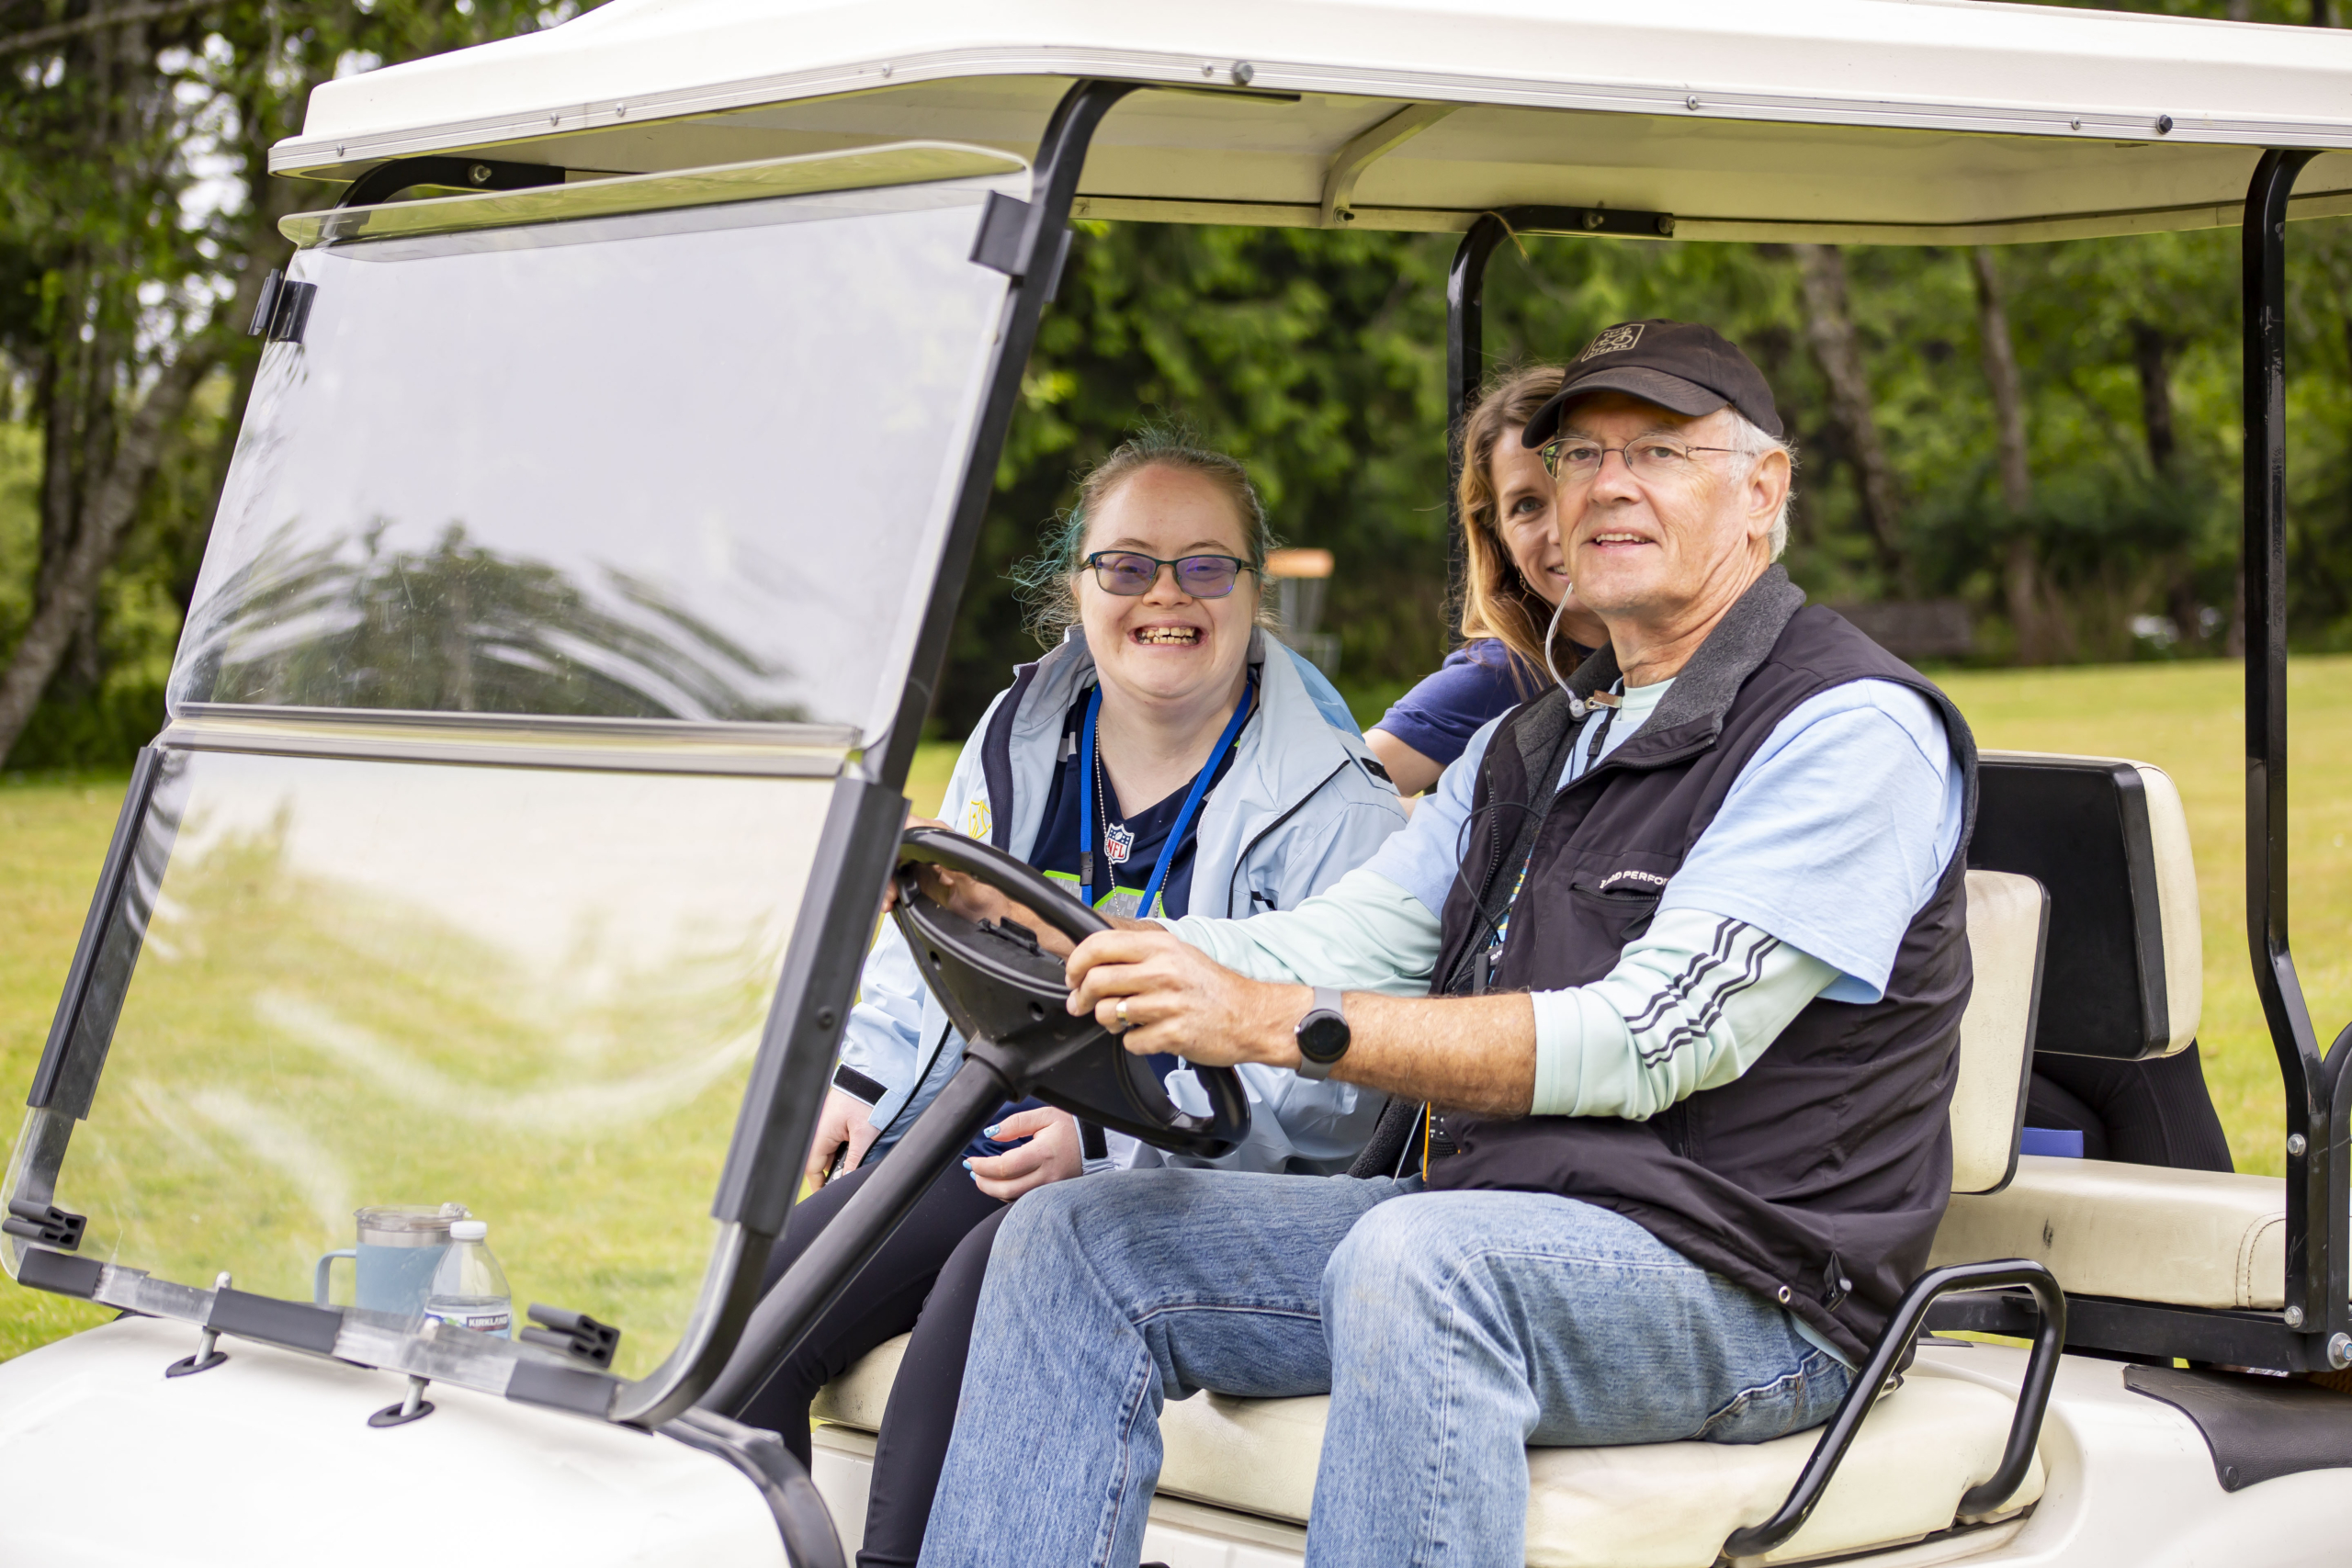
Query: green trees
column 2046, row 432
column 139, row 223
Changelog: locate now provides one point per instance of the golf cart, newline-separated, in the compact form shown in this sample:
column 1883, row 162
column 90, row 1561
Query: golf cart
column 539, row 737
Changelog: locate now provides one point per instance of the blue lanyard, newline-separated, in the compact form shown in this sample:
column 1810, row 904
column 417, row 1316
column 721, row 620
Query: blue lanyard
column 1183, row 816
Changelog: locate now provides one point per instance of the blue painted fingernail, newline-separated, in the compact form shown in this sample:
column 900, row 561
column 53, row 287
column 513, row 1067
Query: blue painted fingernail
column 990, row 1132
column 968, row 1165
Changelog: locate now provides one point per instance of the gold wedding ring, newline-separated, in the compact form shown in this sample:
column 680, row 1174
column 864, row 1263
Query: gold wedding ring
column 1121, row 1014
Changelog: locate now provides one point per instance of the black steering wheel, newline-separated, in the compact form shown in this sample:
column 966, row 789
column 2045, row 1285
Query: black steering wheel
column 1007, row 996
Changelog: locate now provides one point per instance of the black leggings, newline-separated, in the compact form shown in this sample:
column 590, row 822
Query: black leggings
column 2150, row 1112
column 927, row 1278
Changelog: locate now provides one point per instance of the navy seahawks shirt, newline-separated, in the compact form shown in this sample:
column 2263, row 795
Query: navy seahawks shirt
column 1143, row 837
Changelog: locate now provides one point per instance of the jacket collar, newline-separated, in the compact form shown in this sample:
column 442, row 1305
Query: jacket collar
column 1692, row 713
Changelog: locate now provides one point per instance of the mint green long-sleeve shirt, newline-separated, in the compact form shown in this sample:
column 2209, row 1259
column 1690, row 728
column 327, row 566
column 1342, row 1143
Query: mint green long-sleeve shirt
column 1690, row 1004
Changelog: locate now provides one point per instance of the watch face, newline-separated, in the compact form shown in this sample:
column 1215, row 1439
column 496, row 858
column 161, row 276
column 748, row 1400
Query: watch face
column 1323, row 1036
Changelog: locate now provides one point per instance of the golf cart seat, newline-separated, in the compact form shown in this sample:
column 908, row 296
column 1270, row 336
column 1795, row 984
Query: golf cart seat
column 2110, row 841
column 1674, row 1504
column 1646, row 1505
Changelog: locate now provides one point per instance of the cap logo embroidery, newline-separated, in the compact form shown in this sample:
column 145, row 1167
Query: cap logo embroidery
column 1616, row 340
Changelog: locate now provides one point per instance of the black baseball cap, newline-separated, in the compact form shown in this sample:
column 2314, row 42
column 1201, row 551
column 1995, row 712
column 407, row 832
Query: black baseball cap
column 1680, row 366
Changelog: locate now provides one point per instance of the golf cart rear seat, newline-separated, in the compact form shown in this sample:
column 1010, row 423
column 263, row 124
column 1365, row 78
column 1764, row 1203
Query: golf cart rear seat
column 2123, row 979
column 1921, row 1448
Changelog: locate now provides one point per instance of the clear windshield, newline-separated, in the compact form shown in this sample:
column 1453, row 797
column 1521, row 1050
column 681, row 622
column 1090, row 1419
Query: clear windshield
column 533, row 991
column 661, row 498
column 691, row 465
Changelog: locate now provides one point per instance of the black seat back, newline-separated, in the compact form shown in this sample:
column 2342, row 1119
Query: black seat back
column 2122, row 976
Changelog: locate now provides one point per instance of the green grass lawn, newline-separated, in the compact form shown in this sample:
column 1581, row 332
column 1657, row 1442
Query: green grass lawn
column 2184, row 717
column 52, row 837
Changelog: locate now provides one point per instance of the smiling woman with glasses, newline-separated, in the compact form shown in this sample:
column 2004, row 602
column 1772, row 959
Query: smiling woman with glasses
column 1166, row 756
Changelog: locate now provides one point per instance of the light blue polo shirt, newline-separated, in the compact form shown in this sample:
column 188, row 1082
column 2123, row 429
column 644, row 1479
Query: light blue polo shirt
column 1832, row 837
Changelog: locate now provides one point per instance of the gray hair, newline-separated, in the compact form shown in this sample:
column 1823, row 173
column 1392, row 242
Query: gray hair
column 1750, row 440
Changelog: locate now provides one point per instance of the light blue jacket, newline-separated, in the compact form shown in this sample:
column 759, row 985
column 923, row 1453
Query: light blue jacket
column 1302, row 804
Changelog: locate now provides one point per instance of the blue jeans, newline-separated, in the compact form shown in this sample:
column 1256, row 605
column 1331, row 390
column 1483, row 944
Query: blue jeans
column 1450, row 1328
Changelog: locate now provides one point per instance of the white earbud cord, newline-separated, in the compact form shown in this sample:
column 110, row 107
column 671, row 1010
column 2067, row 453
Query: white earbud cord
column 1551, row 633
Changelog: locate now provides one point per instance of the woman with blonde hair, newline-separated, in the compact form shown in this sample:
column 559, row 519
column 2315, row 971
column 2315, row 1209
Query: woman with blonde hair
column 1512, row 600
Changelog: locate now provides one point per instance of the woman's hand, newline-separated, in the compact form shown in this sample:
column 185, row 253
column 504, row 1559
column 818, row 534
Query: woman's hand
column 842, row 1122
column 1052, row 1154
column 891, row 887
column 976, row 901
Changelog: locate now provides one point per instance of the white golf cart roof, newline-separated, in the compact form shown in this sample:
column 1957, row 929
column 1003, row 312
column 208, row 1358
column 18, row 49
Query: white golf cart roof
column 1886, row 121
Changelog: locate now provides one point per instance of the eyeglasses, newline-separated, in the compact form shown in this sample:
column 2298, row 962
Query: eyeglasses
column 1573, row 460
column 1131, row 575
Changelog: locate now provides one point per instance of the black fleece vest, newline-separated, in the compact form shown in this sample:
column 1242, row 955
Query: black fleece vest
column 1818, row 1177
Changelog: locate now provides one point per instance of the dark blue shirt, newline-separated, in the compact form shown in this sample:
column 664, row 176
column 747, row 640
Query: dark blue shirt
column 1479, row 681
column 1055, row 850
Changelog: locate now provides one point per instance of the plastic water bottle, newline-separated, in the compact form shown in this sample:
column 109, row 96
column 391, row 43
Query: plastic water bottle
column 469, row 1287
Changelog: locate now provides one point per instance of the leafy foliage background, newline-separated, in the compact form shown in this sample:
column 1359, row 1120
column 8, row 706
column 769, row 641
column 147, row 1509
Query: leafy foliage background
column 1318, row 358
column 132, row 198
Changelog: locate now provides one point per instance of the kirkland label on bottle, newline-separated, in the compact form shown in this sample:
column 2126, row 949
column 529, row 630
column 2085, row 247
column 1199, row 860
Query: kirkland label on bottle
column 491, row 1317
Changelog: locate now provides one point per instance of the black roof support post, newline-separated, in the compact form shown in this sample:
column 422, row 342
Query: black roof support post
column 2315, row 1087
column 1037, row 253
column 860, row 841
column 1465, row 367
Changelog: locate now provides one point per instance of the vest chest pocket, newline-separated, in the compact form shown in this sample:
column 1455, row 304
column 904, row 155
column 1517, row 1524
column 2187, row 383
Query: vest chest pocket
column 1623, row 911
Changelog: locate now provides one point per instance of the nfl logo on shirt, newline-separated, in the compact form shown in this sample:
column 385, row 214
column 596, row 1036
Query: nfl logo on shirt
column 1118, row 842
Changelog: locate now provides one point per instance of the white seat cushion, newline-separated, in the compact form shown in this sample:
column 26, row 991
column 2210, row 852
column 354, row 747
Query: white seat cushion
column 2145, row 1232
column 2006, row 915
column 858, row 1396
column 1652, row 1506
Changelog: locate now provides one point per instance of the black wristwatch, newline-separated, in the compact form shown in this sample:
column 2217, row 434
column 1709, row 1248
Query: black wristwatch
column 1323, row 1035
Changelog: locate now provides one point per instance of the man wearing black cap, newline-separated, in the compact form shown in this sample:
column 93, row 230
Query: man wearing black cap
column 1663, row 984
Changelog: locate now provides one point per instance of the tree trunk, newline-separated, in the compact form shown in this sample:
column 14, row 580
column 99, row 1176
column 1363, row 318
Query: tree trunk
column 1830, row 325
column 111, row 414
column 2151, row 356
column 112, row 489
column 2022, row 584
column 101, row 449
column 2001, row 375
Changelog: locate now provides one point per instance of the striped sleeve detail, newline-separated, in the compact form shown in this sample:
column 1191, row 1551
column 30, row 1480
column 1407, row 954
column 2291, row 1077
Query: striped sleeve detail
column 1690, row 1005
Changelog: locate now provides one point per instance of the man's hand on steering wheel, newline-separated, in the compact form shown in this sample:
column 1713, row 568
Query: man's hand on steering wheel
column 1181, row 1001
